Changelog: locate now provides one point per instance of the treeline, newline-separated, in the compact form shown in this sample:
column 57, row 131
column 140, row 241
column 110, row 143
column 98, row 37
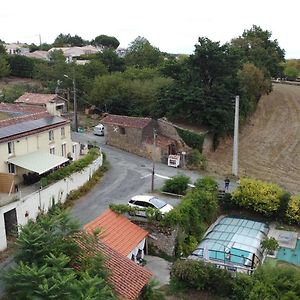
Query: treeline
column 197, row 89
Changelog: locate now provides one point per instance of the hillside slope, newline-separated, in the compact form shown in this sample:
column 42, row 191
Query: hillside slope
column 269, row 145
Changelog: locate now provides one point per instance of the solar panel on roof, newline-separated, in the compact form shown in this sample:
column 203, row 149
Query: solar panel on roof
column 28, row 126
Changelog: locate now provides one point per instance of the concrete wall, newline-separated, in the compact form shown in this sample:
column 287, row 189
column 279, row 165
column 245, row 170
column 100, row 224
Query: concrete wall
column 36, row 142
column 30, row 206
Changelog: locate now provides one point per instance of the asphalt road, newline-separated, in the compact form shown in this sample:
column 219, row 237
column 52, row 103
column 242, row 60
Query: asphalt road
column 128, row 175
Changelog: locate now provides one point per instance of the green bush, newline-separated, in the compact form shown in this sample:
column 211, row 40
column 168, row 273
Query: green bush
column 196, row 160
column 195, row 211
column 74, row 167
column 192, row 139
column 177, row 185
column 207, row 183
column 293, row 210
column 257, row 195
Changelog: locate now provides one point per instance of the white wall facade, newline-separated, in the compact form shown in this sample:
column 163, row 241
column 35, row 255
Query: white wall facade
column 36, row 142
column 30, row 206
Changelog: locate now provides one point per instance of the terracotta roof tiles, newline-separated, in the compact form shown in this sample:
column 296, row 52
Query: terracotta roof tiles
column 126, row 121
column 117, row 231
column 126, row 277
column 37, row 99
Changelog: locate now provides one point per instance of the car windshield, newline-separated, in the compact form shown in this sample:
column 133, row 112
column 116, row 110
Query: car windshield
column 157, row 202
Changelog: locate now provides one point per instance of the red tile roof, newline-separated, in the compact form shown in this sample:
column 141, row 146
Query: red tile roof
column 126, row 277
column 37, row 99
column 117, row 231
column 126, row 121
column 21, row 113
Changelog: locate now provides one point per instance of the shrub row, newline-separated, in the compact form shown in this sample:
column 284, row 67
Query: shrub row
column 197, row 209
column 177, row 185
column 265, row 198
column 74, row 167
column 268, row 282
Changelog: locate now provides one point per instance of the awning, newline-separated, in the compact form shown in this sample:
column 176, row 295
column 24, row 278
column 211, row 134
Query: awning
column 38, row 162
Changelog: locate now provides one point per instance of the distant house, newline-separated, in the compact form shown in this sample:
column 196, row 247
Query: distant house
column 120, row 234
column 136, row 135
column 71, row 53
column 54, row 104
column 17, row 48
column 32, row 142
column 39, row 54
column 127, row 278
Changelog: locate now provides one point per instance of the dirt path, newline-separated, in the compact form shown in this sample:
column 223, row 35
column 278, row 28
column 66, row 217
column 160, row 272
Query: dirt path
column 269, row 146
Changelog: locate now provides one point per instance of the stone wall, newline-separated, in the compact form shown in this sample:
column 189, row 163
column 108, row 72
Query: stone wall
column 130, row 141
column 160, row 238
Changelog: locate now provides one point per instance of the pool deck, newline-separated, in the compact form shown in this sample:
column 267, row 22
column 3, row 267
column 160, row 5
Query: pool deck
column 286, row 239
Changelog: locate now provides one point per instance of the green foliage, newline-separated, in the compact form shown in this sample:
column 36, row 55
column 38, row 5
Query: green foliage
column 196, row 160
column 207, row 183
column 195, row 211
column 38, row 239
column 21, row 66
column 13, row 92
column 177, row 185
column 293, row 210
column 51, row 265
column 270, row 244
column 268, row 282
column 4, row 67
column 291, row 68
column 130, row 93
column 192, row 139
column 151, row 291
column 259, row 196
column 65, row 40
column 74, row 167
column 141, row 54
column 255, row 46
column 200, row 276
column 106, row 41
column 111, row 60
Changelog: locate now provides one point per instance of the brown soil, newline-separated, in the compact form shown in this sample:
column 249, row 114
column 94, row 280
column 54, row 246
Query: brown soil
column 269, row 145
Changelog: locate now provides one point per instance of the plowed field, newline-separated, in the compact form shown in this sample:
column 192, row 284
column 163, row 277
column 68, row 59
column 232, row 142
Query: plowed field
column 269, row 144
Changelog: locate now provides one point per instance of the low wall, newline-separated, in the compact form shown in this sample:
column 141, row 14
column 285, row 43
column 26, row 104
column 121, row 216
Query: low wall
column 30, row 206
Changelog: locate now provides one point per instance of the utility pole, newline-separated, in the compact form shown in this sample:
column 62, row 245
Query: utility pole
column 40, row 40
column 236, row 138
column 153, row 159
column 75, row 104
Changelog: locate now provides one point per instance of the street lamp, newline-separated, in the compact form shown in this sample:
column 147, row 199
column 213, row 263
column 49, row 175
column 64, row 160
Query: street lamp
column 74, row 102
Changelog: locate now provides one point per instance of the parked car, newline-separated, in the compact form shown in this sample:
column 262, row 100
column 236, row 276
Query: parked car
column 99, row 130
column 145, row 201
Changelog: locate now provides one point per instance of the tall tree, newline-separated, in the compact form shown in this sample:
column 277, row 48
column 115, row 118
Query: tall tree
column 106, row 41
column 142, row 54
column 258, row 48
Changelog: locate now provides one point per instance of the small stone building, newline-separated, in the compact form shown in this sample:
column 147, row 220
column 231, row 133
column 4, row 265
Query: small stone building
column 136, row 135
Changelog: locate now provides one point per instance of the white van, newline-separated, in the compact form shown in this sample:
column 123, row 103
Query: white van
column 99, row 130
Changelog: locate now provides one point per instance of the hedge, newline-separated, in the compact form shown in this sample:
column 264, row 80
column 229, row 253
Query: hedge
column 192, row 139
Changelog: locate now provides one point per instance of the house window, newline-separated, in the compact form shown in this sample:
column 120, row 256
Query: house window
column 74, row 149
column 62, row 132
column 11, row 147
column 122, row 130
column 11, row 168
column 51, row 135
column 63, row 150
column 52, row 150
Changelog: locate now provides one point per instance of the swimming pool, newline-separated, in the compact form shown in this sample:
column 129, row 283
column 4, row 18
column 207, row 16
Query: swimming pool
column 290, row 255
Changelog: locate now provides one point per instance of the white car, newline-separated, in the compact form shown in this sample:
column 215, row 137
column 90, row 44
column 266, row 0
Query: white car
column 145, row 201
column 99, row 130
